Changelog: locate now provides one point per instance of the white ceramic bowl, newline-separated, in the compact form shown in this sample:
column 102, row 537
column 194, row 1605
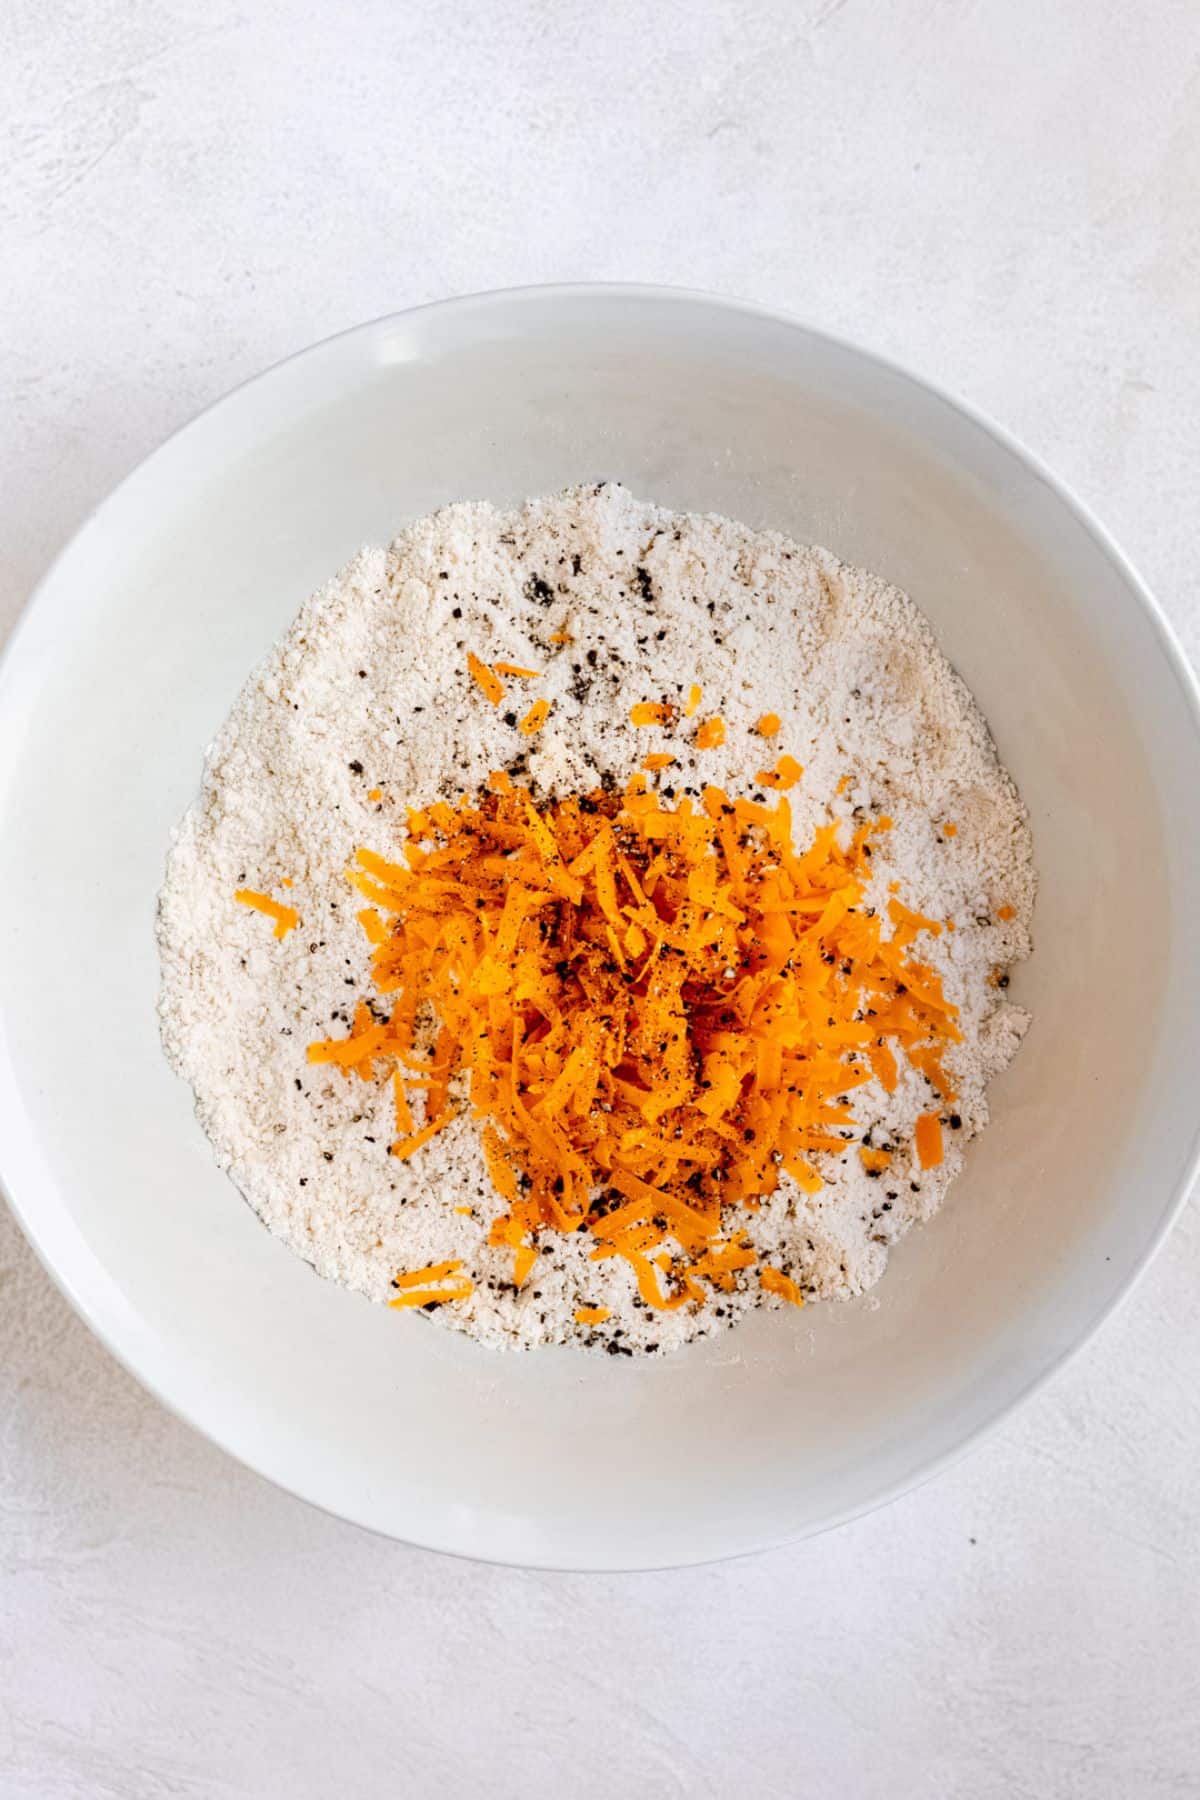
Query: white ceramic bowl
column 125, row 665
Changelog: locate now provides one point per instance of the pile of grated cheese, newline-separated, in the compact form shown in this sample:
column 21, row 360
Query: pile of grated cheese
column 564, row 644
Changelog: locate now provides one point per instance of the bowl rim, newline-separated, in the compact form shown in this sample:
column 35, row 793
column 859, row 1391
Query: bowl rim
column 26, row 1189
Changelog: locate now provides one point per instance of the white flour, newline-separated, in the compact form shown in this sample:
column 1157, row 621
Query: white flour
column 370, row 690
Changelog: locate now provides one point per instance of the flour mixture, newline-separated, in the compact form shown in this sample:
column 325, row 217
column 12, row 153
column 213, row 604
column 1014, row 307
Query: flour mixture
column 693, row 862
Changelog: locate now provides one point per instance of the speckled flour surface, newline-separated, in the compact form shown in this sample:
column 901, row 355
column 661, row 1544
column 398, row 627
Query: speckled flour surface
column 369, row 690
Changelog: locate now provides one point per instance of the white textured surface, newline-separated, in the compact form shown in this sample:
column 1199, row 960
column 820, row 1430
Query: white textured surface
column 1005, row 200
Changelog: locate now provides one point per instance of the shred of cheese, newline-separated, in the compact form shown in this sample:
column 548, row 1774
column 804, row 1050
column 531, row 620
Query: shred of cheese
column 485, row 678
column 651, row 712
column 785, row 774
column 285, row 917
column 929, row 1140
column 777, row 1283
column 535, row 718
column 711, row 734
column 574, row 954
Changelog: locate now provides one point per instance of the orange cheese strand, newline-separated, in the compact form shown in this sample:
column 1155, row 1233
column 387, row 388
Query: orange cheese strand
column 591, row 1315
column 415, row 1291
column 458, row 1290
column 507, row 668
column 434, row 1272
column 491, row 684
column 768, row 725
column 410, row 1145
column 695, row 695
column 405, row 1123
column 928, row 1062
column 535, row 718
column 777, row 1283
column 711, row 734
column 560, row 967
column 372, row 924
column 785, row 774
column 508, row 1230
column 284, row 916
column 929, row 1140
column 651, row 712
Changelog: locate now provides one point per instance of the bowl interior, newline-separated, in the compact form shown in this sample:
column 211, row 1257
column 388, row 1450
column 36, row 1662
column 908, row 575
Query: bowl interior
column 128, row 662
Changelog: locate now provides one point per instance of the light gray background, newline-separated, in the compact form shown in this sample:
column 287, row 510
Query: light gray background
column 1003, row 195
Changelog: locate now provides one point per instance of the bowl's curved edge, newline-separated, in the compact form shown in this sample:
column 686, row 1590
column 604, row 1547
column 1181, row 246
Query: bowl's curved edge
column 17, row 1147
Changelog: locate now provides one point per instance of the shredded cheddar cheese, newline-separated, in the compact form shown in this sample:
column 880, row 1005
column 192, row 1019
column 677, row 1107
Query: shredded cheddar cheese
column 785, row 774
column 285, row 917
column 576, row 958
column 412, row 1293
column 783, row 1285
column 486, row 678
column 711, row 734
column 410, row 1145
column 434, row 1272
column 929, row 1140
column 535, row 718
column 768, row 725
